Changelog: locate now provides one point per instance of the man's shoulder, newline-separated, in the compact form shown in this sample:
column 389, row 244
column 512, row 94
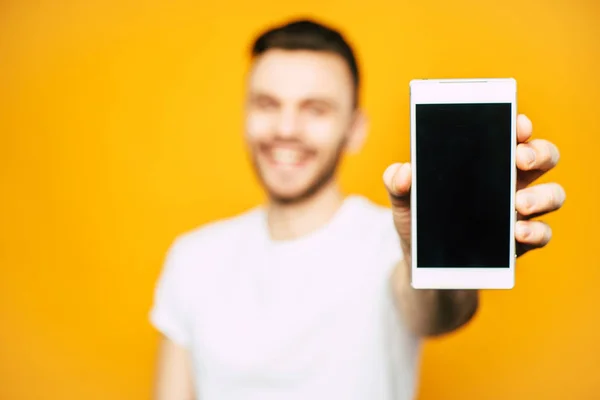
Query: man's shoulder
column 218, row 234
column 372, row 207
column 369, row 212
column 374, row 223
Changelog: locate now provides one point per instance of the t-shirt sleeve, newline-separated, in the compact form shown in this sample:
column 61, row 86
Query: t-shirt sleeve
column 168, row 313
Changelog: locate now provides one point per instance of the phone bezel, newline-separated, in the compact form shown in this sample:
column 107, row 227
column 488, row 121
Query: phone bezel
column 436, row 91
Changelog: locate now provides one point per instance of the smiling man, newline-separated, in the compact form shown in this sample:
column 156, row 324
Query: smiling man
column 309, row 296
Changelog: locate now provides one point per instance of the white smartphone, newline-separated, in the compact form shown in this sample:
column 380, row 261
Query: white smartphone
column 463, row 144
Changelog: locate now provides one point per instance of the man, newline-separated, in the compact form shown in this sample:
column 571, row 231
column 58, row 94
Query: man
column 309, row 296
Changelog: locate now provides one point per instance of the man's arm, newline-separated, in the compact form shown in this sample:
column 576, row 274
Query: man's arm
column 173, row 379
column 431, row 312
column 434, row 312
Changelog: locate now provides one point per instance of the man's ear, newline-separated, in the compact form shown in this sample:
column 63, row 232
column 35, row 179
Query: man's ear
column 358, row 131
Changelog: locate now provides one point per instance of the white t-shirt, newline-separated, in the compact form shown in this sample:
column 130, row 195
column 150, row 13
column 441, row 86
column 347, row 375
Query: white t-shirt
column 306, row 319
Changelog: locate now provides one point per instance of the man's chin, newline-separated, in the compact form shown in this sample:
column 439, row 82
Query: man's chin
column 287, row 196
column 303, row 189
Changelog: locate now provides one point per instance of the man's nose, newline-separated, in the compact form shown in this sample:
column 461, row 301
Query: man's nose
column 288, row 124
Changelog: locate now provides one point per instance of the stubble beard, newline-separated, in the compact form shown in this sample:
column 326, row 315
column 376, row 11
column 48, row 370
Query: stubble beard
column 325, row 177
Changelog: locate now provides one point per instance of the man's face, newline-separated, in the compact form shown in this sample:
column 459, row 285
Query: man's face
column 299, row 117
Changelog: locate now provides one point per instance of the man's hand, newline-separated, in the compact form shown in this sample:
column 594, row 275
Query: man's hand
column 534, row 158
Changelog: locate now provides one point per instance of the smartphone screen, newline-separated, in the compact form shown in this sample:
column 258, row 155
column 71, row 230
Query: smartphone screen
column 463, row 191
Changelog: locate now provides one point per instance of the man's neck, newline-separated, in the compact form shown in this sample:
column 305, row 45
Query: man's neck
column 292, row 221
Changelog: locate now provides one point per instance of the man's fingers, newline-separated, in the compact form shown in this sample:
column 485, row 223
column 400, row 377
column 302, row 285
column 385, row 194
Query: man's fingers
column 397, row 179
column 540, row 199
column 524, row 128
column 538, row 154
column 533, row 233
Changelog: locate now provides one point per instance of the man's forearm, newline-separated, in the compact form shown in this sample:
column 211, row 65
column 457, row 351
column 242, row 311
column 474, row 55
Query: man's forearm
column 431, row 312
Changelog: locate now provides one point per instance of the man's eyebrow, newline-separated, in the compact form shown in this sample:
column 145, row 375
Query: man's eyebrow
column 309, row 100
column 261, row 94
column 321, row 101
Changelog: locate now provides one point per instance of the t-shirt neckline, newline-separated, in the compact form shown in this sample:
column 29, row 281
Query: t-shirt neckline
column 316, row 236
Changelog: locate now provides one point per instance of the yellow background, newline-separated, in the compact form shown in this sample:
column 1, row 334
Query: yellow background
column 120, row 126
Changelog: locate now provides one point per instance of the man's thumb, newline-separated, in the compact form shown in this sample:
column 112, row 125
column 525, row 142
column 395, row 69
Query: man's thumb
column 397, row 179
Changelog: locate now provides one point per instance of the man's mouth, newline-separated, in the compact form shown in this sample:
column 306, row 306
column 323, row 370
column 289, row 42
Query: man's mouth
column 285, row 157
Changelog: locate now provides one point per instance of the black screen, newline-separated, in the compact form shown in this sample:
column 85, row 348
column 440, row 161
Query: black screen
column 463, row 174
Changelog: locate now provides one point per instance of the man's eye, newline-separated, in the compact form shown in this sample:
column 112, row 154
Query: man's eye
column 265, row 104
column 317, row 110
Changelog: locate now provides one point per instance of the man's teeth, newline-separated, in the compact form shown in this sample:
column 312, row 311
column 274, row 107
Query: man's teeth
column 285, row 156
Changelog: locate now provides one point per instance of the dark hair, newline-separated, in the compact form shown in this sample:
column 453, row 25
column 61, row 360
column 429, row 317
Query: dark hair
column 306, row 34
